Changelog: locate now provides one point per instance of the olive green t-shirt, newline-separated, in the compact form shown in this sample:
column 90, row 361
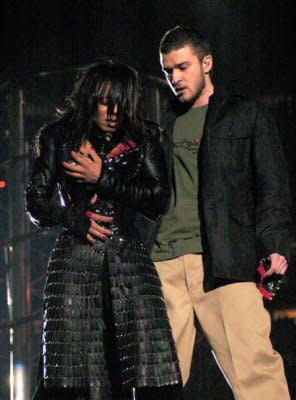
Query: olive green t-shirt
column 179, row 232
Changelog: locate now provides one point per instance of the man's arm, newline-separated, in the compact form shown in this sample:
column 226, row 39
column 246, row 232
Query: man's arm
column 272, row 193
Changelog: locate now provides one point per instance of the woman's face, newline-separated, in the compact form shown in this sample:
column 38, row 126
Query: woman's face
column 107, row 123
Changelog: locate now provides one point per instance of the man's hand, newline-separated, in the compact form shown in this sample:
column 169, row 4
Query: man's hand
column 86, row 169
column 96, row 231
column 279, row 264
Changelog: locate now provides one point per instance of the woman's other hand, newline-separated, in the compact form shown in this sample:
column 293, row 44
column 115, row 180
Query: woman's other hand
column 96, row 231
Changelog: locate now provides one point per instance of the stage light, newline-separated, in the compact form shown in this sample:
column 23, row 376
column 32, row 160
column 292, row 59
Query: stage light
column 19, row 380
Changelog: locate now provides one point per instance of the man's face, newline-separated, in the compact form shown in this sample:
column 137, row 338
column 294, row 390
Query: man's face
column 185, row 73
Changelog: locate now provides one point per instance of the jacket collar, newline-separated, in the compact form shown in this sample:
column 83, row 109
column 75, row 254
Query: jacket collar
column 217, row 103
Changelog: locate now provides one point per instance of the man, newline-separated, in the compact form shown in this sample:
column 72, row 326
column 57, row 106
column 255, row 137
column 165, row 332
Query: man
column 229, row 208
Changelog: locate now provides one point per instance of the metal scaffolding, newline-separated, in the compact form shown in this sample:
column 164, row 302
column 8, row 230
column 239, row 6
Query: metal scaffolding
column 18, row 316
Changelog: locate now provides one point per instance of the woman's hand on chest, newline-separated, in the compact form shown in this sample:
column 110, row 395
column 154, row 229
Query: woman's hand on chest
column 85, row 169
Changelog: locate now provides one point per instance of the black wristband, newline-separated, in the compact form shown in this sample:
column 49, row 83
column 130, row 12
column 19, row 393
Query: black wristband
column 76, row 221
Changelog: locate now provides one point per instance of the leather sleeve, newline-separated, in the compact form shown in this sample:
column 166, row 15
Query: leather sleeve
column 42, row 209
column 272, row 189
column 148, row 192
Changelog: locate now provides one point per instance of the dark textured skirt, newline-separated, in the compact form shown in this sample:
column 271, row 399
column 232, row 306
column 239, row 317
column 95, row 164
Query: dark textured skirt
column 105, row 321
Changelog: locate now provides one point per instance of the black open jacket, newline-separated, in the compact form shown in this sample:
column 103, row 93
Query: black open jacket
column 243, row 193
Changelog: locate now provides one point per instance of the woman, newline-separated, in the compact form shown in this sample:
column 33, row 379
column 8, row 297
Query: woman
column 105, row 324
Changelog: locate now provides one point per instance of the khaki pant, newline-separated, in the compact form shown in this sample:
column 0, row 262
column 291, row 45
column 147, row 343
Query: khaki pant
column 235, row 323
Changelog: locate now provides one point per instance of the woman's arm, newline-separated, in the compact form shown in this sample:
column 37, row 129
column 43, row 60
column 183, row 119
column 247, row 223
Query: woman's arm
column 40, row 207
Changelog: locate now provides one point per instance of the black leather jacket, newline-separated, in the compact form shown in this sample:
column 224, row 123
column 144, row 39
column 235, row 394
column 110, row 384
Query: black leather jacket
column 132, row 187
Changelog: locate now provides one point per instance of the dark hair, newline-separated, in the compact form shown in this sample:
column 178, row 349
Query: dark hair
column 182, row 35
column 119, row 83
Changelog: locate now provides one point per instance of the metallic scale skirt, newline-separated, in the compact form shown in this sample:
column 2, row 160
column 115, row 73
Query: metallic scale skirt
column 105, row 321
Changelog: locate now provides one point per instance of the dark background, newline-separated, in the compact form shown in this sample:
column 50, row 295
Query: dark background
column 253, row 41
column 42, row 45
